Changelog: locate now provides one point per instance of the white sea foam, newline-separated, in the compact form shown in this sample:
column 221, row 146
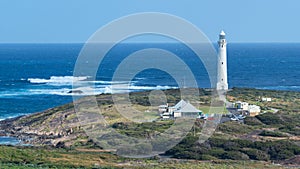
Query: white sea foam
column 151, row 87
column 80, row 91
column 69, row 80
column 113, row 89
column 112, row 82
column 62, row 85
column 58, row 80
column 11, row 116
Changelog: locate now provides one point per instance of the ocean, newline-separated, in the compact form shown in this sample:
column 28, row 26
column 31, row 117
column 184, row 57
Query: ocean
column 35, row 77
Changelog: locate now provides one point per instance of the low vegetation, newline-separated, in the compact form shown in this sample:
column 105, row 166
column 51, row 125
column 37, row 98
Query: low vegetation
column 268, row 137
column 235, row 149
column 31, row 158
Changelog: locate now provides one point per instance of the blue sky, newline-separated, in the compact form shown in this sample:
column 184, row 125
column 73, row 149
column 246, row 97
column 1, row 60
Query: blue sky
column 63, row 21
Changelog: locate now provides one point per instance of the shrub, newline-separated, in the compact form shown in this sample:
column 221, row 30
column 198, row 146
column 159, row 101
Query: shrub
column 207, row 157
column 217, row 142
column 231, row 145
column 235, row 155
column 216, row 152
column 291, row 129
column 234, row 128
column 255, row 154
column 278, row 150
column 272, row 134
column 139, row 149
column 270, row 119
column 284, row 154
column 252, row 121
column 244, row 143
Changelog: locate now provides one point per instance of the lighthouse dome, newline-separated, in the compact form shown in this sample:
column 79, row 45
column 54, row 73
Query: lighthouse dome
column 222, row 33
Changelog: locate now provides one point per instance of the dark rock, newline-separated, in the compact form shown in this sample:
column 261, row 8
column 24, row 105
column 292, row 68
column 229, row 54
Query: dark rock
column 60, row 144
column 76, row 91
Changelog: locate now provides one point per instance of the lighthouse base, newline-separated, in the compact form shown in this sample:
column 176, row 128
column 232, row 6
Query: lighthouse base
column 222, row 86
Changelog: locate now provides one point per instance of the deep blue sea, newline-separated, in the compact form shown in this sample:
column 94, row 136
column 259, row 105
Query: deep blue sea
column 35, row 77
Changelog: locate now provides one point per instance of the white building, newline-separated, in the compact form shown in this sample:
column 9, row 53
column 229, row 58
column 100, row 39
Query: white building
column 254, row 110
column 266, row 99
column 187, row 110
column 181, row 109
column 222, row 83
column 178, row 106
column 241, row 105
column 163, row 108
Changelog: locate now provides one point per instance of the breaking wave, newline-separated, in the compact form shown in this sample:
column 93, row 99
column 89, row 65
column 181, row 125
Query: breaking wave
column 81, row 91
column 83, row 86
column 58, row 80
column 69, row 80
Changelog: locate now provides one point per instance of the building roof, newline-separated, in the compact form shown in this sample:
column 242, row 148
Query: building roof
column 180, row 104
column 188, row 108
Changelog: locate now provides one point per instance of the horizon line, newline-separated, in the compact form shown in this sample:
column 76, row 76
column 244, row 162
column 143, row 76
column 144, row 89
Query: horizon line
column 151, row 42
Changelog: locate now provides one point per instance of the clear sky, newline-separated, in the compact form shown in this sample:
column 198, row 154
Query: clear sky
column 50, row 21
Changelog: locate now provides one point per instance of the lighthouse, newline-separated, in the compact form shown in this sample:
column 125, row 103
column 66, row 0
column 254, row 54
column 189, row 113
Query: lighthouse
column 222, row 83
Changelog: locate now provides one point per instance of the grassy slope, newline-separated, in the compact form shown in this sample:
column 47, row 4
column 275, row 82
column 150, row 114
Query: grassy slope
column 283, row 125
column 25, row 158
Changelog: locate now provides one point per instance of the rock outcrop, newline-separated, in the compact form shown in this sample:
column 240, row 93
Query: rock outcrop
column 55, row 127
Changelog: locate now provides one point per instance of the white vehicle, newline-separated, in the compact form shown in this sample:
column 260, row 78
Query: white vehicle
column 234, row 119
column 241, row 117
column 202, row 116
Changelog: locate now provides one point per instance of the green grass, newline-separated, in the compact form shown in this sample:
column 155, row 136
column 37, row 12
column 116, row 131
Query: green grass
column 141, row 130
column 45, row 158
column 30, row 157
column 212, row 110
column 233, row 128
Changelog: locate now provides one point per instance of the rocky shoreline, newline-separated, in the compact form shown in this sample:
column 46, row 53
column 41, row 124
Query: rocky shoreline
column 56, row 127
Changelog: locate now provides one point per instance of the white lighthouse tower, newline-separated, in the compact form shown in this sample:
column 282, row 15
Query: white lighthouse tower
column 222, row 83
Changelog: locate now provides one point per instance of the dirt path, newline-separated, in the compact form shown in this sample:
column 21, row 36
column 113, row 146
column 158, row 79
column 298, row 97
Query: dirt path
column 94, row 150
column 274, row 110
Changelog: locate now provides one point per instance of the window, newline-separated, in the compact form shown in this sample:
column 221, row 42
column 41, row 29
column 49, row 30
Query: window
column 222, row 63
